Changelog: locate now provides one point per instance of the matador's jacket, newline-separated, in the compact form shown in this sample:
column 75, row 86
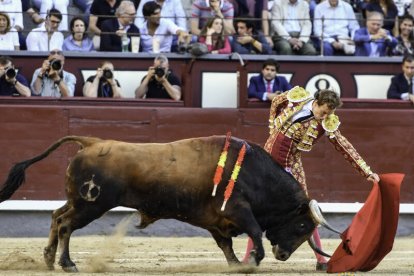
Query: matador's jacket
column 289, row 139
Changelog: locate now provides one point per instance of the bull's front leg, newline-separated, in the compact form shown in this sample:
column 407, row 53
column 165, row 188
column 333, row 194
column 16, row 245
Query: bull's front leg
column 225, row 244
column 243, row 217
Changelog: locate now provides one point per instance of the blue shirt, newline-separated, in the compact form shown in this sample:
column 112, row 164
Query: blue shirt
column 70, row 45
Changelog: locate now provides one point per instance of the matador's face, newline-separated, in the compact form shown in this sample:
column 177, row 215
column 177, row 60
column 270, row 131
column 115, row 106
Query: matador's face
column 320, row 112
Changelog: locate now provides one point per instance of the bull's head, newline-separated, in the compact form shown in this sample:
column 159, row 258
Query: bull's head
column 287, row 238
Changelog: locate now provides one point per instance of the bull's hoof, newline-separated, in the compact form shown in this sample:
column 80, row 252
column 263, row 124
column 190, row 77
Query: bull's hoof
column 253, row 260
column 49, row 259
column 321, row 266
column 71, row 269
column 140, row 226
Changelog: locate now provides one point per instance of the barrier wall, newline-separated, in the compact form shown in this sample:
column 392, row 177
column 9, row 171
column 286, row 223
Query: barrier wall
column 382, row 131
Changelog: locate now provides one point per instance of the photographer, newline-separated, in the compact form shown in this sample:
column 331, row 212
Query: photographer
column 12, row 83
column 103, row 84
column 51, row 80
column 160, row 82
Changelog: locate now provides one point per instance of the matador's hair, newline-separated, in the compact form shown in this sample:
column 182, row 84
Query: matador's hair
column 329, row 97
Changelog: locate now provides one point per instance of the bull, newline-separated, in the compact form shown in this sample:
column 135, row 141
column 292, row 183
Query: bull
column 174, row 181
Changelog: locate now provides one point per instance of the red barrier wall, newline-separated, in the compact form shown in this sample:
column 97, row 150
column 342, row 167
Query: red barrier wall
column 382, row 135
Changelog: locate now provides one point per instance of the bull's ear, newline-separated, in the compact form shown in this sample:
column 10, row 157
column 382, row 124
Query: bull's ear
column 302, row 209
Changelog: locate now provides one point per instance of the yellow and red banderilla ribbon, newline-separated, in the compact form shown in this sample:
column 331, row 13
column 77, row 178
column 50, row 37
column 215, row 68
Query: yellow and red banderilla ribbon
column 221, row 163
column 234, row 175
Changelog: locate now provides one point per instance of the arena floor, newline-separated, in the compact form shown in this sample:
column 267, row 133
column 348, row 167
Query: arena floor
column 119, row 255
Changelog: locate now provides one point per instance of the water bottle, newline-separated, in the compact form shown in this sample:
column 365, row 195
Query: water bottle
column 125, row 43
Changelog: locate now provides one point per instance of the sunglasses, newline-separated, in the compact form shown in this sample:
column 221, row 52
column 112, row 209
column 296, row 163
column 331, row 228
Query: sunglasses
column 56, row 52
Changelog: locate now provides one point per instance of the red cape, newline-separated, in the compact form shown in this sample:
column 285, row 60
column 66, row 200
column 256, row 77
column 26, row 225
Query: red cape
column 370, row 236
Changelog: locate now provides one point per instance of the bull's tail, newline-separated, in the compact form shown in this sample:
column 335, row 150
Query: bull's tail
column 16, row 175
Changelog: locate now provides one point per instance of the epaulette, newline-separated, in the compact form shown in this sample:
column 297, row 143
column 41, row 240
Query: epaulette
column 331, row 123
column 298, row 94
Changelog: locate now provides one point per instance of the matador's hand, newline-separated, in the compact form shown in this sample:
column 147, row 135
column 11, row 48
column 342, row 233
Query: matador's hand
column 373, row 177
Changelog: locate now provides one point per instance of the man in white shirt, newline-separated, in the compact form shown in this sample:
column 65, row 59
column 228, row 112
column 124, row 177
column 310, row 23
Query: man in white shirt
column 46, row 37
column 170, row 9
column 156, row 33
column 335, row 23
column 292, row 27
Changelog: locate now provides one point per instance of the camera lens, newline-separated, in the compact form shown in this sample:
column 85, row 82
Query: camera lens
column 160, row 72
column 56, row 64
column 107, row 74
column 11, row 73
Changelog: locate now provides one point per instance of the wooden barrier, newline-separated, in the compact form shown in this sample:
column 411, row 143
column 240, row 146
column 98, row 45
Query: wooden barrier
column 382, row 135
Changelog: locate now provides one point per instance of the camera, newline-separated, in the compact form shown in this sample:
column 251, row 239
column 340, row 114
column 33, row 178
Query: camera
column 182, row 48
column 56, row 64
column 107, row 74
column 159, row 71
column 11, row 73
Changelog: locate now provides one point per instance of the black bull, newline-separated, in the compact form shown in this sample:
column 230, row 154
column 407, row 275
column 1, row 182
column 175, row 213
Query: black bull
column 175, row 180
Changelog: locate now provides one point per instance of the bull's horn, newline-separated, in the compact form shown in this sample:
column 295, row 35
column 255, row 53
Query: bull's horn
column 318, row 217
column 315, row 248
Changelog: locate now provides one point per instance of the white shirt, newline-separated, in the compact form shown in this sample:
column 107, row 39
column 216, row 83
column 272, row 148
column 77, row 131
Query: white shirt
column 305, row 111
column 292, row 22
column 337, row 21
column 13, row 8
column 405, row 96
column 9, row 40
column 164, row 34
column 171, row 9
column 37, row 40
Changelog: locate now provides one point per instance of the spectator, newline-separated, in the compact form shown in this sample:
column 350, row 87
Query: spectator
column 61, row 5
column 170, row 9
column 267, row 85
column 78, row 40
column 213, row 36
column 51, row 80
column 259, row 9
column 203, row 10
column 11, row 82
column 85, row 7
column 373, row 40
column 157, row 33
column 401, row 86
column 402, row 6
column 387, row 8
column 337, row 20
column 8, row 35
column 247, row 40
column 405, row 45
column 117, row 32
column 160, row 82
column 13, row 8
column 101, row 11
column 46, row 37
column 292, row 27
column 103, row 84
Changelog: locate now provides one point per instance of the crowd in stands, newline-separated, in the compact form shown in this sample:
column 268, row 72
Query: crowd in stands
column 280, row 27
